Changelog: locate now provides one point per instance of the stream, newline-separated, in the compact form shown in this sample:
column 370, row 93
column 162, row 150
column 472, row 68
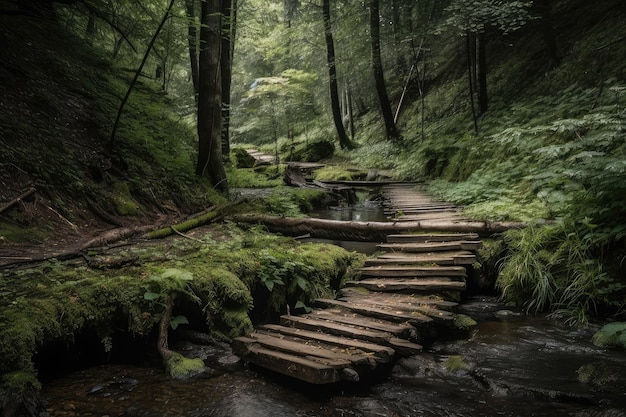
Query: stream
column 518, row 366
column 514, row 365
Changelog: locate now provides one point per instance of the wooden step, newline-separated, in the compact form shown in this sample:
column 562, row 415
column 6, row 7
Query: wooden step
column 431, row 237
column 418, row 208
column 402, row 303
column 458, row 272
column 382, row 354
column 445, row 216
column 304, row 369
column 307, row 348
column 338, row 329
column 415, row 318
column 340, row 315
column 432, row 246
column 363, row 296
column 409, row 285
column 442, row 258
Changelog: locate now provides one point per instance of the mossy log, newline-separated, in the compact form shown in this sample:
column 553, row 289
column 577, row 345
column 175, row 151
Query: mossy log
column 369, row 231
column 214, row 214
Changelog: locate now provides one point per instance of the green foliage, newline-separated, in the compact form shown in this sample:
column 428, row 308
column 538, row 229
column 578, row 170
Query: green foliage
column 253, row 178
column 475, row 16
column 556, row 268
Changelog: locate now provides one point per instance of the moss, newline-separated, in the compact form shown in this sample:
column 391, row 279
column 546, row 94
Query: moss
column 241, row 158
column 179, row 367
column 456, row 363
column 597, row 374
column 339, row 173
column 611, row 335
column 22, row 234
column 125, row 205
column 464, row 323
column 19, row 381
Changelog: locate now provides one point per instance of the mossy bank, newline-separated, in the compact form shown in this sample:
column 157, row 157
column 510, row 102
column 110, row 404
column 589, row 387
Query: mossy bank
column 223, row 279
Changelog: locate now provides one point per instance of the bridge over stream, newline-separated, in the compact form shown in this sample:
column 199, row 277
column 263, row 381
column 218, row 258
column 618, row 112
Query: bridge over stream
column 405, row 296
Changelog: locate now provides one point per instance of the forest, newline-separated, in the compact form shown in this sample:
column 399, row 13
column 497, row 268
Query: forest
column 125, row 121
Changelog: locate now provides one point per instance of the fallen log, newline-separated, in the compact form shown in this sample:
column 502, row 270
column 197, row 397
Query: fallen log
column 214, row 215
column 17, row 199
column 368, row 231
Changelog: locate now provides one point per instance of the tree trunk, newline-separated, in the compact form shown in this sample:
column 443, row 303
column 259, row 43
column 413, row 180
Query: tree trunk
column 192, row 38
column 134, row 81
column 385, row 108
column 210, row 161
column 470, row 77
column 481, row 73
column 227, row 71
column 548, row 32
column 344, row 142
column 369, row 231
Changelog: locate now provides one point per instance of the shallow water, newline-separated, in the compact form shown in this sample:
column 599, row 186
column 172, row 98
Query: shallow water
column 513, row 366
column 525, row 367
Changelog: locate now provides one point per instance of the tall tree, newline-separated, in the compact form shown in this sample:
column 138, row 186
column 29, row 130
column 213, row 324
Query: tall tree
column 138, row 72
column 390, row 127
column 192, row 38
column 229, row 11
column 210, row 161
column 344, row 141
column 472, row 18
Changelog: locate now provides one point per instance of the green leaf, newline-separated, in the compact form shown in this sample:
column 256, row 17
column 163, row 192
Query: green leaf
column 306, row 308
column 177, row 274
column 151, row 296
column 177, row 320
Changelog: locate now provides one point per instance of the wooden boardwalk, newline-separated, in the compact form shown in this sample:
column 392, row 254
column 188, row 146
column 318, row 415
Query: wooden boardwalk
column 405, row 296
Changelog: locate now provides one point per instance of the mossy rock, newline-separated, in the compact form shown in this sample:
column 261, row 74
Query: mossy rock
column 242, row 158
column 611, row 335
column 179, row 367
column 597, row 374
column 125, row 205
column 456, row 363
column 313, row 152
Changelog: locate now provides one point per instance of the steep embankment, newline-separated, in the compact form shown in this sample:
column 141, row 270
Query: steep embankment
column 58, row 102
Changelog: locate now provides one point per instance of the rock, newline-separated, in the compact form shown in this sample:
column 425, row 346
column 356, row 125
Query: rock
column 508, row 315
column 611, row 335
column 242, row 158
column 597, row 373
column 179, row 367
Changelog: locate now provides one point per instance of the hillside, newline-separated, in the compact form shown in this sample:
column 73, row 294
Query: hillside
column 59, row 99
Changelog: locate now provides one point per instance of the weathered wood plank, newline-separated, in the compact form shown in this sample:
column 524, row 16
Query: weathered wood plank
column 294, row 366
column 413, row 285
column 413, row 271
column 440, row 217
column 360, row 358
column 348, row 317
column 365, row 296
column 431, row 237
column 404, row 347
column 339, row 329
column 382, row 354
column 413, row 247
column 397, row 303
column 302, row 347
column 415, row 318
column 443, row 258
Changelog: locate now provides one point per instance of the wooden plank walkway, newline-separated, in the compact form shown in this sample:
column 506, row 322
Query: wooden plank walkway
column 402, row 295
